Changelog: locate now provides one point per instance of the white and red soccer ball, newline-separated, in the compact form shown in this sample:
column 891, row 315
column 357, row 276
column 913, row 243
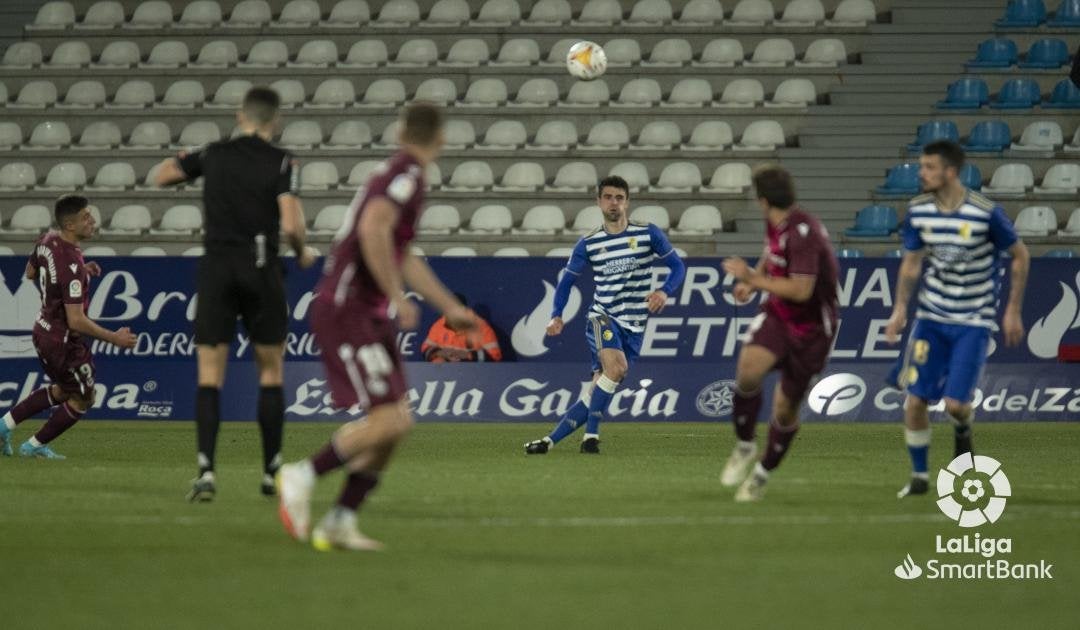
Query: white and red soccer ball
column 586, row 60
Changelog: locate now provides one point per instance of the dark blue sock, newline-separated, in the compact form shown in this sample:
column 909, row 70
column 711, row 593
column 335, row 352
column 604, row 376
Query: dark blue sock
column 573, row 418
column 599, row 403
column 919, row 456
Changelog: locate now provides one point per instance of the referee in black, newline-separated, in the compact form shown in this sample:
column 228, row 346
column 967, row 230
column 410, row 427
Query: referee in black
column 250, row 200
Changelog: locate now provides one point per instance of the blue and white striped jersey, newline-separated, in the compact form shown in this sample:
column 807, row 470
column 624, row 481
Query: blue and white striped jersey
column 962, row 278
column 622, row 270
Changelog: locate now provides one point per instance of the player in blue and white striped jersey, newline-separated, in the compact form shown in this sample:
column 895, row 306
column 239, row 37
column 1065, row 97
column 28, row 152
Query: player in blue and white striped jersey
column 962, row 236
column 621, row 254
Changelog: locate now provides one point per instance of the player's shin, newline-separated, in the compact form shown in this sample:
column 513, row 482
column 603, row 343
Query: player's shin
column 63, row 418
column 601, row 396
column 746, row 408
column 271, row 426
column 918, row 446
column 575, row 416
column 35, row 403
column 780, row 438
column 207, row 422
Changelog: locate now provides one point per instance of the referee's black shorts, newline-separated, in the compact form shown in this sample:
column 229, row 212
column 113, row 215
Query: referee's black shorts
column 230, row 285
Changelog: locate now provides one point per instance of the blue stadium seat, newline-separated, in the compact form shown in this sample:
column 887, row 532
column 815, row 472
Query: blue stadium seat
column 934, row 130
column 1000, row 52
column 1060, row 253
column 1021, row 13
column 874, row 222
column 902, row 179
column 1046, row 53
column 989, row 135
column 971, row 176
column 1068, row 14
column 848, row 252
column 1065, row 96
column 966, row 93
column 1018, row 94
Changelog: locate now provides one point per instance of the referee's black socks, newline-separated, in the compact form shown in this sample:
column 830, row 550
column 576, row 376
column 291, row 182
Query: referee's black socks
column 207, row 421
column 271, row 425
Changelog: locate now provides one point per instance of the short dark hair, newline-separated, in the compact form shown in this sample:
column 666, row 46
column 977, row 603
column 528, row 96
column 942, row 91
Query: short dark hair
column 774, row 184
column 951, row 153
column 261, row 105
column 67, row 207
column 612, row 181
column 421, row 123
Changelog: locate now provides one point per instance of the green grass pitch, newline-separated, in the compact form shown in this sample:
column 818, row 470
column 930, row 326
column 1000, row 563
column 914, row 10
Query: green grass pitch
column 479, row 536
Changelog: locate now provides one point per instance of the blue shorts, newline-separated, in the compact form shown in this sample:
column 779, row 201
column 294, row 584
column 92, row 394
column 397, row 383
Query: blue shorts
column 944, row 360
column 603, row 332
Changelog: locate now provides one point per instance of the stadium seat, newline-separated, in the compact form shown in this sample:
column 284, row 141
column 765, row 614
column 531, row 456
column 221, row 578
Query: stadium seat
column 298, row 14
column 459, row 134
column 1046, row 53
column 319, row 176
column 1022, row 13
column 150, row 251
column 122, row 54
column 761, row 135
column 511, row 252
column 549, row 13
column 1043, row 135
column 793, row 93
column 249, row 14
column 752, row 13
column 559, row 252
column 184, row 94
column 556, row 55
column 1066, row 95
column 852, row 13
column 437, row 90
column 729, row 179
column 49, row 135
column 699, row 219
column 874, row 222
column 546, row 219
column 1017, row 94
column 333, row 94
column 149, row 135
column 504, row 135
column 366, row 53
column 607, row 135
column 269, row 53
column 290, row 91
column 1000, row 52
column 902, row 179
column 1060, row 179
column 459, row 251
column 635, row 174
column 710, row 135
column 772, row 53
column 1066, row 16
column 194, row 252
column 721, row 53
column 319, row 53
column 470, row 176
column 742, row 93
column 33, row 218
column 230, row 94
column 11, row 135
column 299, row 135
column 574, row 177
column 467, row 53
column 657, row 215
column 600, row 13
column 1074, row 146
column 74, row 54
column 114, row 176
column 701, row 13
column 678, row 178
column 802, row 14
column 540, row 92
column 197, row 134
column 416, row 53
column 669, row 53
column 1072, row 228
column 658, row 135
column 587, row 219
column 200, row 14
column 966, row 93
column 98, row 251
column 932, row 131
column 167, row 54
column 495, row 13
column 623, row 53
column 447, row 13
column 1036, row 221
column 555, row 135
column 521, row 177
column 348, row 14
column 849, row 252
column 84, row 95
column 360, row 173
column 639, row 93
column 689, row 93
column 823, row 53
column 989, row 135
column 587, row 94
column 65, row 176
column 439, row 219
column 1010, row 179
column 217, row 54
column 970, row 176
column 389, row 137
column 35, row 95
column 1060, row 253
column 650, row 13
column 397, row 14
column 102, row 15
column 490, row 219
column 151, row 14
column 52, row 16
column 433, row 176
column 329, row 219
column 485, row 93
column 22, row 55
column 518, row 52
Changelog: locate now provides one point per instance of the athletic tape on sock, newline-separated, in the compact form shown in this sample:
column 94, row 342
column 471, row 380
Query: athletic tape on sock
column 920, row 437
column 607, row 384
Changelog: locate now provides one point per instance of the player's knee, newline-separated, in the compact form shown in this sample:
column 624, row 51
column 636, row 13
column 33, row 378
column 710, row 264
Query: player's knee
column 58, row 395
column 82, row 402
column 957, row 409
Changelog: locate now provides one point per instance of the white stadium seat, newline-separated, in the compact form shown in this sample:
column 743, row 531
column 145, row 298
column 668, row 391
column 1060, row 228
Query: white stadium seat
column 194, row 252
column 21, row 55
column 129, row 219
column 658, row 135
column 689, row 93
column 249, row 14
column 490, row 219
column 437, row 90
column 35, row 95
column 1060, row 179
column 182, row 218
column 471, row 176
column 416, row 53
column 639, row 93
column 1072, row 228
column 498, row 13
column 329, row 219
column 301, row 135
column 184, row 94
column 699, row 219
column 607, row 135
column 151, row 14
column 669, row 53
column 319, row 53
column 752, row 13
column 1036, row 221
column 439, row 219
column 574, row 177
column 121, row 54
column 148, row 251
column 11, row 135
column 511, row 252
column 447, row 13
column 802, row 14
column 549, row 13
column 65, row 176
column 730, row 178
column 467, row 53
column 134, row 94
column 349, row 134
column 521, row 177
column 545, row 219
column 701, row 13
column 587, row 219
column 290, row 91
column 269, row 53
column 518, row 52
column 53, row 15
column 635, row 174
column 1042, row 135
column 167, row 54
column 560, row 252
column 98, row 251
column 761, row 135
column 504, row 135
column 657, row 215
column 319, row 176
column 433, row 176
column 484, row 93
column 75, row 54
column 84, row 95
column 397, row 14
column 459, row 134
column 31, row 218
column 600, row 13
column 823, row 53
column 853, row 13
column 793, row 93
column 200, row 14
column 555, row 135
column 360, row 173
column 114, row 176
column 1010, row 179
column 557, row 53
column 107, row 14
column 49, row 135
column 678, row 177
column 348, row 14
column 772, row 53
column 742, row 93
column 17, row 176
column 623, row 53
column 539, row 92
column 1074, row 146
column 333, row 94
column 650, row 13
column 298, row 14
column 383, row 93
column 389, row 137
column 230, row 94
column 459, row 252
column 721, row 53
column 149, row 135
column 217, row 54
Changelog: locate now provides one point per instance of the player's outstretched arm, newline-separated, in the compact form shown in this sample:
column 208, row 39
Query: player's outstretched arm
column 80, row 323
column 1012, row 322
column 796, row 288
column 169, row 171
column 906, row 281
column 420, row 278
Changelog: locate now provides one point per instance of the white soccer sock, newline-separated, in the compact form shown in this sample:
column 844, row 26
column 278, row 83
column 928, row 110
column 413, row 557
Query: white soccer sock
column 607, row 384
column 746, row 447
column 590, row 436
column 34, row 442
column 919, row 437
column 9, row 422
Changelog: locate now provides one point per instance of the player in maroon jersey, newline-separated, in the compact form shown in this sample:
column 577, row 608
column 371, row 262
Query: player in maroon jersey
column 793, row 333
column 351, row 316
column 64, row 280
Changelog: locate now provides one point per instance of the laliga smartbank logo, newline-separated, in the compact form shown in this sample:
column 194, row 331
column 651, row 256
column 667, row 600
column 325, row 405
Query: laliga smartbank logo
column 973, row 491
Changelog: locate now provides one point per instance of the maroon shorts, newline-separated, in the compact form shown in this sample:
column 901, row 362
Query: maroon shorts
column 798, row 357
column 68, row 364
column 360, row 356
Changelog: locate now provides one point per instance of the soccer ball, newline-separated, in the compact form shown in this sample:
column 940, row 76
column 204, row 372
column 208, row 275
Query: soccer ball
column 586, row 60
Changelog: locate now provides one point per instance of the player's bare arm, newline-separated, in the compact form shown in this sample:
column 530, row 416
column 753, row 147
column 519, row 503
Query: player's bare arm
column 907, row 280
column 1012, row 322
column 293, row 228
column 80, row 323
column 375, row 232
column 169, row 171
column 742, row 291
column 419, row 277
column 31, row 272
column 797, row 288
